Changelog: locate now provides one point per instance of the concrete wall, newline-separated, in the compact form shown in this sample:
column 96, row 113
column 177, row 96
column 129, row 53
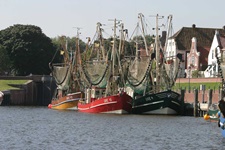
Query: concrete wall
column 189, row 97
column 198, row 80
column 38, row 91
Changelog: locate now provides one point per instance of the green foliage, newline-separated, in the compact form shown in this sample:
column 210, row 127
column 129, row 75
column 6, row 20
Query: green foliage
column 29, row 50
column 149, row 40
column 107, row 44
column 71, row 46
column 71, row 43
column 195, row 74
column 4, row 61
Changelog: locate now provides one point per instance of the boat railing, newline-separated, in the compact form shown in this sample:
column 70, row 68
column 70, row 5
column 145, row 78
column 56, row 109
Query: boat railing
column 60, row 64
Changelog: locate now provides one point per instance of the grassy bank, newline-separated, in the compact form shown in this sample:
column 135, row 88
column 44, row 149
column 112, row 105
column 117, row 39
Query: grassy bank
column 211, row 85
column 6, row 84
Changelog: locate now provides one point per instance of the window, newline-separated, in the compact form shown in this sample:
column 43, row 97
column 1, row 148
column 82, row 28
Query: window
column 212, row 53
column 193, row 60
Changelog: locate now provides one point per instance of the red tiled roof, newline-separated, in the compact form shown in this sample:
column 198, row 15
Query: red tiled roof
column 204, row 52
column 222, row 42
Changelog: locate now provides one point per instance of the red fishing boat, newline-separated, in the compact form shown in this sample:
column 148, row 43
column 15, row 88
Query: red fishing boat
column 105, row 78
column 118, row 104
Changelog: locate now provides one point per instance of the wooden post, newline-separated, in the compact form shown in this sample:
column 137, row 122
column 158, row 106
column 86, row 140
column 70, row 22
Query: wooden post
column 221, row 94
column 196, row 103
column 210, row 97
column 182, row 92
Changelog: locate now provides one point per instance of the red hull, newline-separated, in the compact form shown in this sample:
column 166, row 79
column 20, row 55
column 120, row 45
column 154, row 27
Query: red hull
column 118, row 104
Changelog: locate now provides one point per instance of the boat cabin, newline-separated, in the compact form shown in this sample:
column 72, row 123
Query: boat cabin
column 94, row 93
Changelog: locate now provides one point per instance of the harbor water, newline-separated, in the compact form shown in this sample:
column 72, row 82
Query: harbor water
column 40, row 128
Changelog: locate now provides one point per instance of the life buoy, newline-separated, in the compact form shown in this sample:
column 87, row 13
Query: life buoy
column 206, row 117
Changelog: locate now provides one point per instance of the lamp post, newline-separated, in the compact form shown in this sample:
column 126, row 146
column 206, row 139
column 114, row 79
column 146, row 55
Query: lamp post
column 189, row 76
column 179, row 75
column 201, row 69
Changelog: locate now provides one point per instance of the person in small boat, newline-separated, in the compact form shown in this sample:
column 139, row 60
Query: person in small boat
column 221, row 116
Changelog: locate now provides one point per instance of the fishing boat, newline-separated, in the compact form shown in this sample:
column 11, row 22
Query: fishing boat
column 150, row 77
column 1, row 97
column 67, row 93
column 212, row 112
column 104, row 75
column 117, row 104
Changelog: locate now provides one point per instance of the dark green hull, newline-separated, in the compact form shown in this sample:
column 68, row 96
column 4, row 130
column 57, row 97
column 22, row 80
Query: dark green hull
column 212, row 113
column 166, row 102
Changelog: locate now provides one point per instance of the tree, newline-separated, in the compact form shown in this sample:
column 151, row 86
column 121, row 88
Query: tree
column 149, row 40
column 195, row 74
column 28, row 48
column 5, row 62
column 71, row 43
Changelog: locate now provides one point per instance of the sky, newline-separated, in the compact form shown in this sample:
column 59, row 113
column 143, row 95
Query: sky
column 61, row 17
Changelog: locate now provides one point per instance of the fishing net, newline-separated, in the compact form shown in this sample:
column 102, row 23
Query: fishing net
column 97, row 73
column 169, row 72
column 61, row 73
column 138, row 74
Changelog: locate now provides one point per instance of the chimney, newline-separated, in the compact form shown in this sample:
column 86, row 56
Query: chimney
column 164, row 34
column 193, row 26
column 163, row 38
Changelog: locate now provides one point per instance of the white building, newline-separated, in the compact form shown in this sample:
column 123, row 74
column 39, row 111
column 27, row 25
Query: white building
column 181, row 43
column 217, row 47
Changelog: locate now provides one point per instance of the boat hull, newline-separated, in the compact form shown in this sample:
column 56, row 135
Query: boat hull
column 1, row 97
column 165, row 103
column 116, row 104
column 66, row 102
column 212, row 114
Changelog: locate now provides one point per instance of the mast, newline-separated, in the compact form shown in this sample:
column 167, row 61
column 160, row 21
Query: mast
column 77, row 51
column 169, row 30
column 140, row 16
column 157, row 54
column 112, row 85
column 121, row 47
column 136, row 42
column 99, row 31
column 65, row 53
column 114, row 46
column 121, row 38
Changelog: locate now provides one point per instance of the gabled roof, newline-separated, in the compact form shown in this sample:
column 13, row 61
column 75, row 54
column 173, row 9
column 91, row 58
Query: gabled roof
column 204, row 36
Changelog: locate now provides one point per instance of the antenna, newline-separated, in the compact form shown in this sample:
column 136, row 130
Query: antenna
column 78, row 33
